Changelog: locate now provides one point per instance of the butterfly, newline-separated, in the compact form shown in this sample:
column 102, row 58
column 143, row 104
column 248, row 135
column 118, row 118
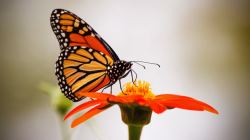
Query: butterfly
column 86, row 62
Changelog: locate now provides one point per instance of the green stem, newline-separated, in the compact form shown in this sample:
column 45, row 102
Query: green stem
column 134, row 132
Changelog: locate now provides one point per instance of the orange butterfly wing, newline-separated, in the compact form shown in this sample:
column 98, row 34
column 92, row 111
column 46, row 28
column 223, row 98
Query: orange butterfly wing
column 82, row 63
column 71, row 30
column 82, row 69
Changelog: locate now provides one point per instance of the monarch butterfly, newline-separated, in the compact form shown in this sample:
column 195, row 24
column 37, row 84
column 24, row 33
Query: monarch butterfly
column 86, row 62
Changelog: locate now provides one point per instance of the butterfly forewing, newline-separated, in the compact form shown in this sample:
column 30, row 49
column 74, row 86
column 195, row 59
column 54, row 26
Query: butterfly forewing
column 71, row 30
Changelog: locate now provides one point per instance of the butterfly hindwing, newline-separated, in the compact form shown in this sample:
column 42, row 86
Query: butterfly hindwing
column 80, row 68
column 71, row 30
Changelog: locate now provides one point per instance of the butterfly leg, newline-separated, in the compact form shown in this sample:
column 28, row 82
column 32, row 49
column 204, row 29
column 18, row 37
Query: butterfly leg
column 120, row 83
column 123, row 76
column 132, row 71
column 111, row 89
column 107, row 86
column 133, row 80
column 132, row 77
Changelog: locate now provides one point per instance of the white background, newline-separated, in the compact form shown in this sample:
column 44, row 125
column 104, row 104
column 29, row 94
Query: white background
column 202, row 46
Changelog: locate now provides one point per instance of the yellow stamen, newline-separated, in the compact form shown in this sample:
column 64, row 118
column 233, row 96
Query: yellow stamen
column 139, row 88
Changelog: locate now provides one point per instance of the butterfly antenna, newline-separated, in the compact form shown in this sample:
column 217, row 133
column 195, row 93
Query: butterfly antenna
column 138, row 62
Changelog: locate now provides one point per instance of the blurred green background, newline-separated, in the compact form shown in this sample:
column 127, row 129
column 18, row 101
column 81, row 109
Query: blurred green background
column 202, row 45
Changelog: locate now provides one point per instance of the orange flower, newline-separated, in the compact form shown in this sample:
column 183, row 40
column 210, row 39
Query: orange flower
column 136, row 103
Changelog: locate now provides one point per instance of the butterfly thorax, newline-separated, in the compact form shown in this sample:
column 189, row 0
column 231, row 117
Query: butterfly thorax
column 118, row 70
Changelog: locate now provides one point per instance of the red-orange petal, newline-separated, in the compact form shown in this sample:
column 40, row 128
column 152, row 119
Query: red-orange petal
column 208, row 108
column 183, row 102
column 125, row 99
column 156, row 107
column 96, row 95
column 83, row 106
column 170, row 96
column 90, row 113
column 133, row 98
column 118, row 99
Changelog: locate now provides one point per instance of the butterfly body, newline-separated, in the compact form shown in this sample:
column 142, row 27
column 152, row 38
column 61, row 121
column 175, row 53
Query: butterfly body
column 86, row 62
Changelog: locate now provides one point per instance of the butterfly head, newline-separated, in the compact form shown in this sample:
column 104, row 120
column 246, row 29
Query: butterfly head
column 127, row 65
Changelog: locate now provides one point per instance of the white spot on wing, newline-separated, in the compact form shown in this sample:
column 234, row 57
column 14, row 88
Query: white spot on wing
column 63, row 34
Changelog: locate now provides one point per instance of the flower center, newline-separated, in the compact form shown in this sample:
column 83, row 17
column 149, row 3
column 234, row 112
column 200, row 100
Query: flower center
column 138, row 88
